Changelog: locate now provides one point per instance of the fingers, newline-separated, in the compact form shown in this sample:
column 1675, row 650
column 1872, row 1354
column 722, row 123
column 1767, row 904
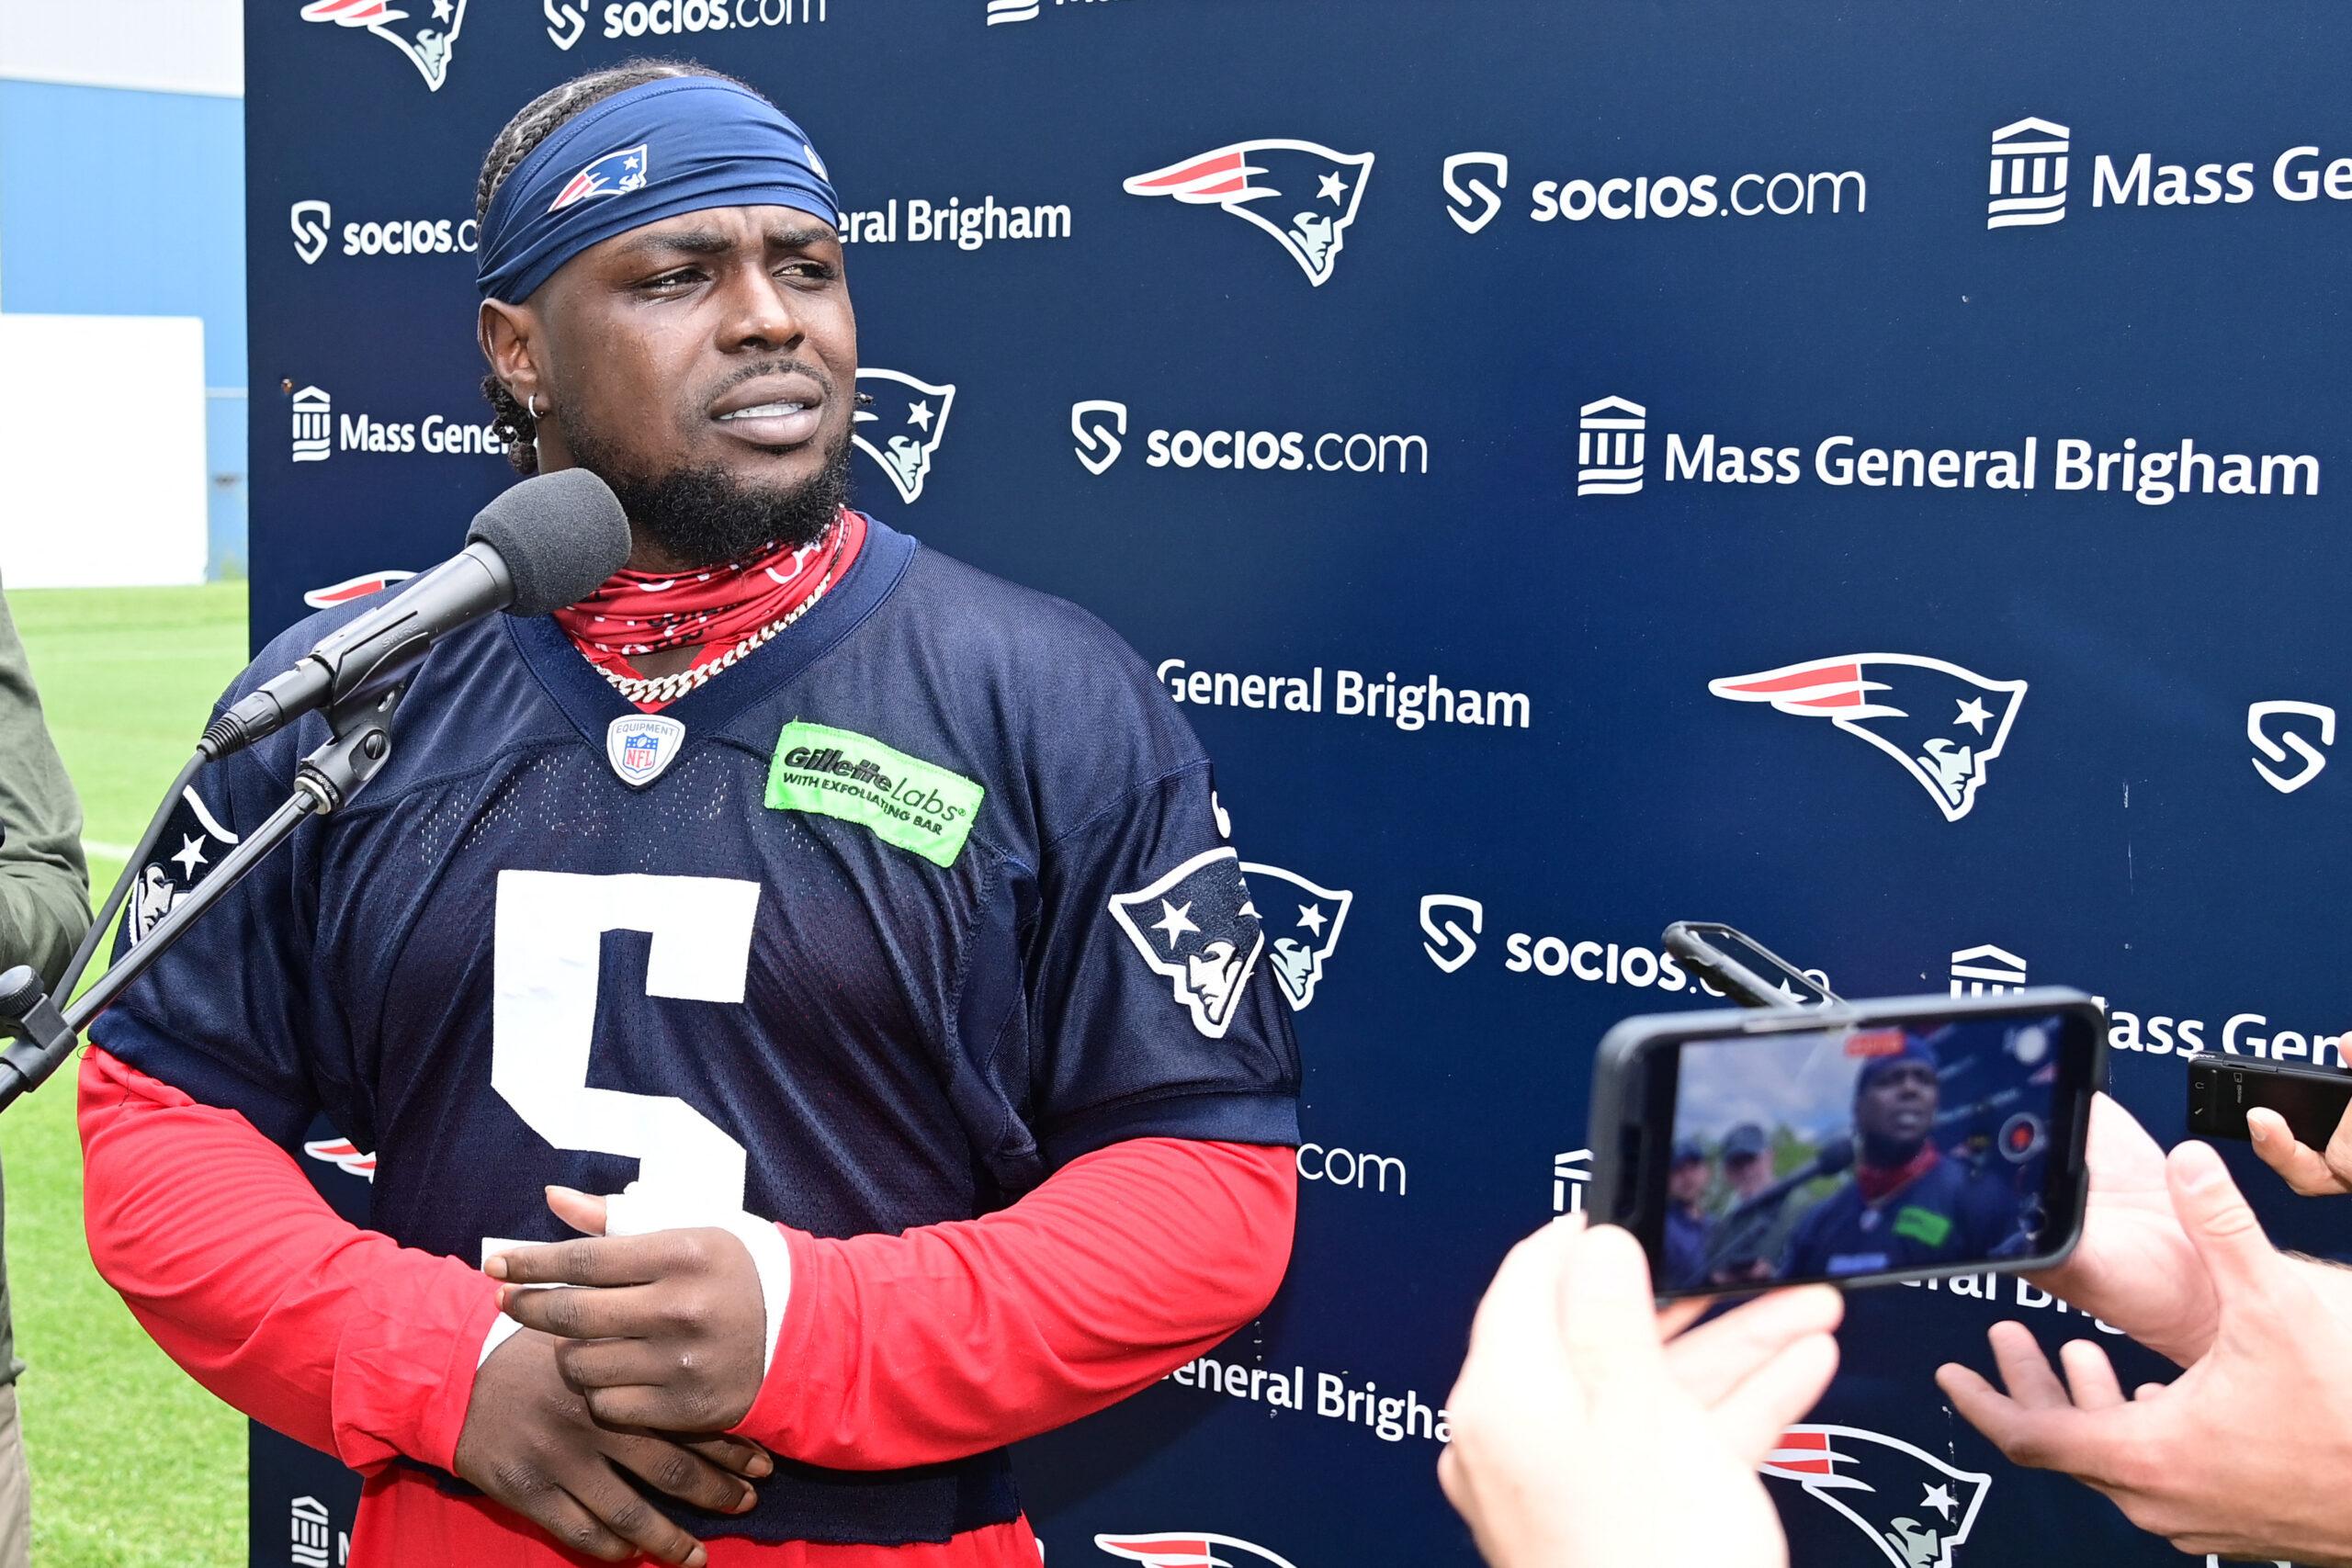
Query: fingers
column 561, row 1516
column 2304, row 1168
column 628, row 1313
column 679, row 1471
column 2338, row 1154
column 613, row 1363
column 2090, row 1376
column 1607, row 1324
column 2024, row 1369
column 620, row 1509
column 603, row 1260
column 581, row 1211
column 1517, row 1315
column 739, row 1456
column 1716, row 1357
column 2214, row 1212
column 2116, row 1137
column 1675, row 1316
column 2023, row 1435
column 1776, row 1395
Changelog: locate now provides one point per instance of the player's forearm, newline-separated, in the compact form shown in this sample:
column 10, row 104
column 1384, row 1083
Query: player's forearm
column 951, row 1339
column 334, row 1335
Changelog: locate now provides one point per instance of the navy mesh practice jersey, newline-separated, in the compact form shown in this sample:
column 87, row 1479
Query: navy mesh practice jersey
column 918, row 902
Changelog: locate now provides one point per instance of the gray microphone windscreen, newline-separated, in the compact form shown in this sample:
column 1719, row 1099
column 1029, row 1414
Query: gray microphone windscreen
column 560, row 534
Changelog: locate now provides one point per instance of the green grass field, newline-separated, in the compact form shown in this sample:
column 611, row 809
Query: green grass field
column 133, row 1464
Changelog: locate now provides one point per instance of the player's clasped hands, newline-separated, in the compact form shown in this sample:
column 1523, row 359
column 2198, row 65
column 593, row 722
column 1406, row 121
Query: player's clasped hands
column 636, row 1373
column 667, row 1330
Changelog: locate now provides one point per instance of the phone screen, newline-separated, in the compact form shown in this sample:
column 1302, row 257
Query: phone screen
column 1871, row 1150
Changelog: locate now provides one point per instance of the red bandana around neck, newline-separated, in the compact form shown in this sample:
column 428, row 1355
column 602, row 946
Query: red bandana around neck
column 1877, row 1181
column 643, row 611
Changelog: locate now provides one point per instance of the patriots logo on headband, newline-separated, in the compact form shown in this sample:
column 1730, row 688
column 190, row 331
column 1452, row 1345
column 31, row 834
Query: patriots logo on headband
column 1301, row 192
column 1941, row 722
column 427, row 43
column 1197, row 930
column 1180, row 1549
column 907, row 419
column 614, row 173
column 1914, row 1507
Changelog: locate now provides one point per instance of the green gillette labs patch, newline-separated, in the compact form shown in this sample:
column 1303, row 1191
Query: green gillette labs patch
column 905, row 801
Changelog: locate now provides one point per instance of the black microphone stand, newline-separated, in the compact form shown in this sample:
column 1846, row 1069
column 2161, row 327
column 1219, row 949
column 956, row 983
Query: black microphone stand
column 358, row 749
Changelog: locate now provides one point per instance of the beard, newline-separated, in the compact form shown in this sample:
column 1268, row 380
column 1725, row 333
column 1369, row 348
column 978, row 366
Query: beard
column 705, row 516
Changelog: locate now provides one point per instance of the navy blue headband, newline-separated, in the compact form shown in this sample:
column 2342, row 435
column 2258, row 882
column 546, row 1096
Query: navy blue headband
column 681, row 144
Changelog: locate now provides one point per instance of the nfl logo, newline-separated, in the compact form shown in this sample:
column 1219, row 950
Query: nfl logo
column 642, row 746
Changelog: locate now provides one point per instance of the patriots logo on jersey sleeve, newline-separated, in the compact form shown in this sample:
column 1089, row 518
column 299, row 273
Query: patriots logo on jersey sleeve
column 907, row 419
column 1301, row 192
column 1914, row 1507
column 1197, row 931
column 614, row 173
column 164, row 882
column 1941, row 722
column 424, row 30
column 1178, row 1550
column 1303, row 942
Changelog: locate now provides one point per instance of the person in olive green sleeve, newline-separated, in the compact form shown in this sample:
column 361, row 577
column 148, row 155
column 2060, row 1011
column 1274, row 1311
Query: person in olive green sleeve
column 44, row 912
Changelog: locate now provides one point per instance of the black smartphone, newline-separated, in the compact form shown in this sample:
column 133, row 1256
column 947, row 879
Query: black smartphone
column 2221, row 1089
column 1743, row 968
column 1907, row 1138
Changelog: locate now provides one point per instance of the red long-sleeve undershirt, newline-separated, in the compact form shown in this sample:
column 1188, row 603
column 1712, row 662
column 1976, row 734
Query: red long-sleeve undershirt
column 943, row 1341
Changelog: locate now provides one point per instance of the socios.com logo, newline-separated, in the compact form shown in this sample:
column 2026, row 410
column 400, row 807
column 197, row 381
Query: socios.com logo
column 1097, row 423
column 310, row 220
column 566, row 22
column 672, row 18
column 2257, row 729
column 1487, row 199
column 1449, row 946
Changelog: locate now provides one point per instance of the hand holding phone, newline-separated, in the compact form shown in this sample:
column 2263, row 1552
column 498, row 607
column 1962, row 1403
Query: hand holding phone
column 2298, row 1117
column 1903, row 1139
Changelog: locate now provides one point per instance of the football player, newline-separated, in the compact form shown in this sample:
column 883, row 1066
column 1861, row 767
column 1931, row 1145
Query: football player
column 823, row 957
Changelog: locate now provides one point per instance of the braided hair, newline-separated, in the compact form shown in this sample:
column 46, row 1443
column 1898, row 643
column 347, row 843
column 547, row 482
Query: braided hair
column 533, row 124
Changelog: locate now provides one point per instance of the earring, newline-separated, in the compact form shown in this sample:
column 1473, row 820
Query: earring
column 865, row 399
column 532, row 403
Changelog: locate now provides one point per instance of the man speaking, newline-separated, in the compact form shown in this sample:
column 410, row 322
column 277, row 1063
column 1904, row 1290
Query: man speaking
column 822, row 958
column 1906, row 1204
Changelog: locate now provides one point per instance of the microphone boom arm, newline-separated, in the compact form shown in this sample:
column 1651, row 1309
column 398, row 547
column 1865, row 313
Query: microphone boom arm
column 324, row 782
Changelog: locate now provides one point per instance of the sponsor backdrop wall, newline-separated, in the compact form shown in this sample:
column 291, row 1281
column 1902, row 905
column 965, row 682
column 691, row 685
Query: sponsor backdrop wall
column 1868, row 476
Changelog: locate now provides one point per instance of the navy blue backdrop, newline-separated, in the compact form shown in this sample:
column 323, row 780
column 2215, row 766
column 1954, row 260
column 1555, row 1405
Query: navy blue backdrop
column 1559, row 367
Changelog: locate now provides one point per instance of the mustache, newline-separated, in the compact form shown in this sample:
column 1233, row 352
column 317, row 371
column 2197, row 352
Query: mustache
column 810, row 368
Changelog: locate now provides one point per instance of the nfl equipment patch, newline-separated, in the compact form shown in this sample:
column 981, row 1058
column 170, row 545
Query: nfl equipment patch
column 641, row 746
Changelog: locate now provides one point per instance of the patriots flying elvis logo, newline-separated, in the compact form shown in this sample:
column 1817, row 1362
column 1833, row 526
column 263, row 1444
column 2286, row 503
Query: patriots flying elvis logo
column 1914, row 1507
column 1303, row 944
column 903, row 428
column 1941, row 722
column 1179, row 1550
column 1197, row 930
column 615, row 173
column 1301, row 192
column 424, row 30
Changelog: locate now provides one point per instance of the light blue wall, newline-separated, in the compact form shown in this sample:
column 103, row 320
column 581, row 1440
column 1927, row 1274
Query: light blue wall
column 121, row 203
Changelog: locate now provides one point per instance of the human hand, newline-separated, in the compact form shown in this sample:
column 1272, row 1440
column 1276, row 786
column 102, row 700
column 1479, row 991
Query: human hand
column 530, row 1443
column 666, row 1330
column 2243, row 1455
column 2135, row 1268
column 2314, row 1173
column 1589, row 1432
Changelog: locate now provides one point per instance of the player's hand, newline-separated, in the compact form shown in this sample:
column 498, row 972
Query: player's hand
column 2135, row 1268
column 530, row 1443
column 2243, row 1455
column 1582, row 1440
column 666, row 1330
column 2314, row 1173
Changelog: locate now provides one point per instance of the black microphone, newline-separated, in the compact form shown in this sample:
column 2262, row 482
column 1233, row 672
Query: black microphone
column 544, row 543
